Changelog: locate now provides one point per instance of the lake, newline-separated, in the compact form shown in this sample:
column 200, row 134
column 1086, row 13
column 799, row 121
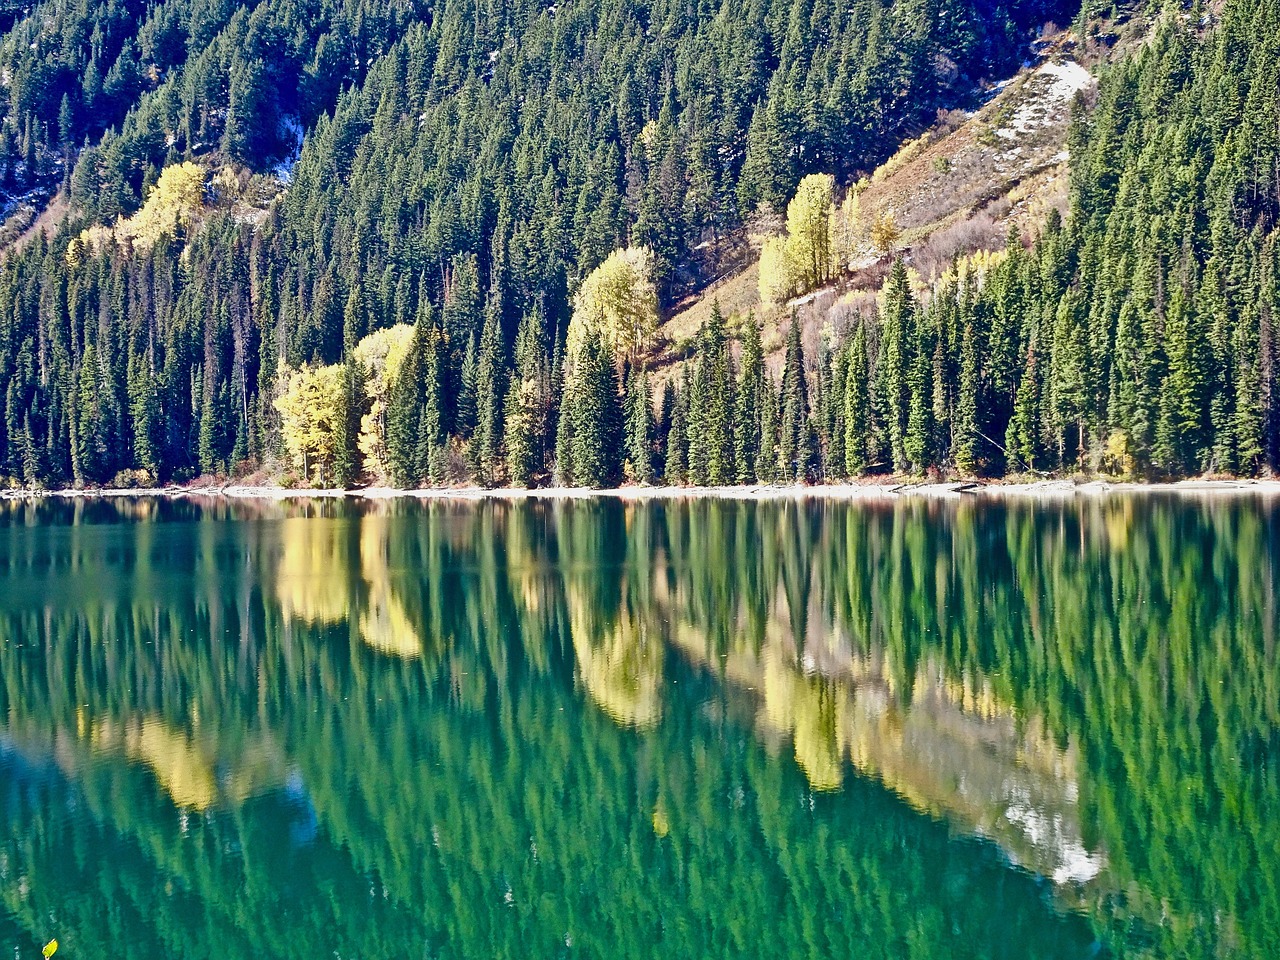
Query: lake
column 671, row 728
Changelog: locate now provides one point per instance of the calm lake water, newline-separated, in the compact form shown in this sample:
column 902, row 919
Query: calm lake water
column 596, row 729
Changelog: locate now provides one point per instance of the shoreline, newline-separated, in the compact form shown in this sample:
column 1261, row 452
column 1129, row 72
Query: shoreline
column 991, row 489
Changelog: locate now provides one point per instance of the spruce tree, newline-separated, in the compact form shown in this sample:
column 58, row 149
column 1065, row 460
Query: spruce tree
column 833, row 410
column 486, row 441
column 747, row 406
column 768, row 464
column 676, row 467
column 662, row 433
column 346, row 455
column 1069, row 384
column 1021, row 440
column 968, row 440
column 857, row 404
column 797, row 440
column 144, row 416
column 596, row 448
column 917, row 442
column 715, row 378
column 640, row 428
column 696, row 442
column 897, row 360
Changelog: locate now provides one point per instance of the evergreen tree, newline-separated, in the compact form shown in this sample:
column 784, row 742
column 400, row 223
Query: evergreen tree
column 676, row 467
column 968, row 436
column 769, row 463
column 748, row 405
column 797, row 440
column 1022, row 437
column 486, row 442
column 346, row 458
column 596, row 446
column 714, row 463
column 897, row 362
column 857, row 405
column 639, row 428
column 917, row 442
column 666, row 417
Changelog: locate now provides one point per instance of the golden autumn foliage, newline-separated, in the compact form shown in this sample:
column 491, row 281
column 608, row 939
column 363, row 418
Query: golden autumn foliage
column 885, row 233
column 381, row 354
column 804, row 258
column 617, row 299
column 311, row 411
column 847, row 230
column 809, row 231
column 775, row 274
column 173, row 204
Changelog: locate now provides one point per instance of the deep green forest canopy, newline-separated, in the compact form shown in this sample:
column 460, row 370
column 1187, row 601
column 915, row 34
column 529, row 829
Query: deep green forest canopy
column 463, row 169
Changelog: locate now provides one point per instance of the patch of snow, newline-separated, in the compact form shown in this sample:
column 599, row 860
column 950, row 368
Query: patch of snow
column 1069, row 78
column 1049, row 88
column 291, row 130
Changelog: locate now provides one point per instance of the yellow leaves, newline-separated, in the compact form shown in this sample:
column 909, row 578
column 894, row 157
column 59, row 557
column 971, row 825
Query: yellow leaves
column 312, row 584
column 803, row 259
column 311, row 410
column 381, row 354
column 661, row 822
column 1117, row 458
column 617, row 299
column 847, row 230
column 174, row 203
column 885, row 233
column 973, row 266
column 809, row 230
column 775, row 272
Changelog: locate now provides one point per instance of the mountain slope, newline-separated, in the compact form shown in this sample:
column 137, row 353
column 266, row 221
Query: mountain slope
column 405, row 303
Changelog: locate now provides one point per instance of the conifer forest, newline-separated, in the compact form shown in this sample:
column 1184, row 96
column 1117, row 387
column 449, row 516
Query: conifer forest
column 335, row 243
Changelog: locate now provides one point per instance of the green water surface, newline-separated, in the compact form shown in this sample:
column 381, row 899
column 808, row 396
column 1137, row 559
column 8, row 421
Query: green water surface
column 671, row 729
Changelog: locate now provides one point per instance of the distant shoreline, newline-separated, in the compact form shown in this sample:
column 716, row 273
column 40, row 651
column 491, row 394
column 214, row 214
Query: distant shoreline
column 1048, row 489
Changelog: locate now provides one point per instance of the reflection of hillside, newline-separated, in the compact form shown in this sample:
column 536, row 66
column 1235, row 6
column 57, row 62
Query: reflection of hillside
column 619, row 661
column 998, row 667
column 315, row 583
column 191, row 767
column 384, row 622
column 949, row 748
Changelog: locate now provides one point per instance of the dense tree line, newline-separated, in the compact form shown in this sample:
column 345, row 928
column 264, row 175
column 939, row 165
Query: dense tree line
column 519, row 225
column 463, row 170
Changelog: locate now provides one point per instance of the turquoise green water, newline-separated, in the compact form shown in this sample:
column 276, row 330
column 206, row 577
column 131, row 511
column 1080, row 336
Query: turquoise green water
column 594, row 729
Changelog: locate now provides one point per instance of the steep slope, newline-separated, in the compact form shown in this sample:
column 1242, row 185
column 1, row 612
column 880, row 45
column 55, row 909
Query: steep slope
column 954, row 191
column 1135, row 338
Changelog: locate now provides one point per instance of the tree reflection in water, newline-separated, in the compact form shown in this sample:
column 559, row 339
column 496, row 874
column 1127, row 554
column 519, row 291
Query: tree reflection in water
column 494, row 728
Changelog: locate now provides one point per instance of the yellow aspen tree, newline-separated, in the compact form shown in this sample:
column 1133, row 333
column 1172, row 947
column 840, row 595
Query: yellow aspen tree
column 885, row 234
column 381, row 355
column 311, row 414
column 847, row 231
column 809, row 231
column 775, row 272
column 617, row 299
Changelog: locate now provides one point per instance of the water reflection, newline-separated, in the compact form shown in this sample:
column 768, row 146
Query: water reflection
column 579, row 723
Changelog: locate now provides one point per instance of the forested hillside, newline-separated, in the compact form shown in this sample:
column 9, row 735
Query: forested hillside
column 414, row 245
